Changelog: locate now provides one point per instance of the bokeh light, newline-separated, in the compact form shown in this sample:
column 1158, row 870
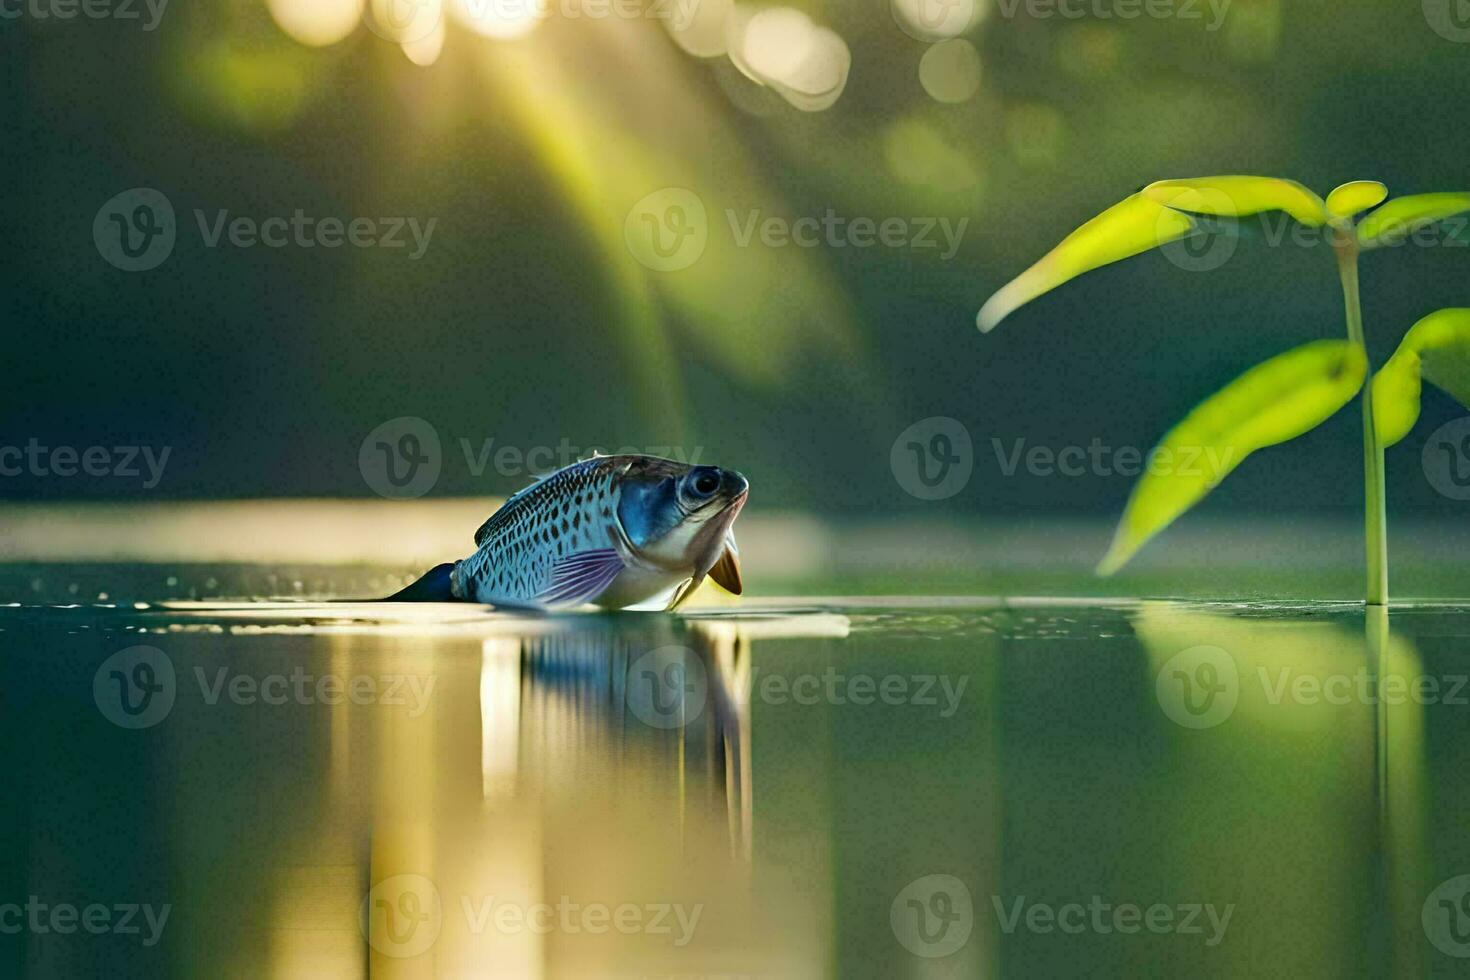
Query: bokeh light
column 703, row 34
column 819, row 80
column 950, row 70
column 918, row 155
column 776, row 42
column 781, row 47
column 937, row 20
column 255, row 87
column 317, row 23
column 502, row 20
column 425, row 51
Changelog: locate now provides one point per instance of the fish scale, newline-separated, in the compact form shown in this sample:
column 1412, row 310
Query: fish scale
column 570, row 511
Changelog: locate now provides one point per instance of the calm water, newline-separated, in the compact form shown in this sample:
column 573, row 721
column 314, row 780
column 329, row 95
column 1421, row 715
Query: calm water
column 854, row 788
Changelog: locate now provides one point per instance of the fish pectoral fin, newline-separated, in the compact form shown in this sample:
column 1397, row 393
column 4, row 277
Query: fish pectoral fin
column 726, row 569
column 581, row 577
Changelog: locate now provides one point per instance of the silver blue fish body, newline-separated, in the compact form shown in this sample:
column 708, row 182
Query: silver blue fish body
column 611, row 531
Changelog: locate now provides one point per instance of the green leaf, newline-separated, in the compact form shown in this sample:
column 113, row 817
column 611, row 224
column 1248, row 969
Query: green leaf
column 1238, row 196
column 1396, row 397
column 1132, row 226
column 1355, row 197
column 1401, row 217
column 1277, row 400
column 1436, row 348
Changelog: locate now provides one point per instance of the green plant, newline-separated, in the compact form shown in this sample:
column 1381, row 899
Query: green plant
column 1293, row 392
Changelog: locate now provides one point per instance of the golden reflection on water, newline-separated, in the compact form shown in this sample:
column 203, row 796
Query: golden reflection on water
column 612, row 769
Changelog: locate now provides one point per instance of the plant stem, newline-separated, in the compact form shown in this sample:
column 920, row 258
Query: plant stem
column 1375, row 521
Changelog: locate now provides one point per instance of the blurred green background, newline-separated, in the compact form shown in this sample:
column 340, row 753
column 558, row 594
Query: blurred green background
column 529, row 320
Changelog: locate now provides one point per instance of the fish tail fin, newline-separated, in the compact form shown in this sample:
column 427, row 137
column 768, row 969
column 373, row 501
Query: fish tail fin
column 435, row 585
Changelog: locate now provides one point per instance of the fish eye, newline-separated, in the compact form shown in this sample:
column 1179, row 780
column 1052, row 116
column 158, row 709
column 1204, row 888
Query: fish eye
column 705, row 482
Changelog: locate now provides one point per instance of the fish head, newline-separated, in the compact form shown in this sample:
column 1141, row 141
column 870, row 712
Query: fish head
column 678, row 516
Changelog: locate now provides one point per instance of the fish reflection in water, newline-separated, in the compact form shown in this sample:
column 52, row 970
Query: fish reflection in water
column 672, row 697
column 575, row 800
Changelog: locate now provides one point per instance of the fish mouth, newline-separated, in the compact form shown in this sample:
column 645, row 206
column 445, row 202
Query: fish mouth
column 710, row 540
column 727, row 514
column 719, row 525
column 738, row 487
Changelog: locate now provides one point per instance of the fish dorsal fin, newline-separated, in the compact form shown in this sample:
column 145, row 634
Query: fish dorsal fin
column 726, row 569
column 484, row 529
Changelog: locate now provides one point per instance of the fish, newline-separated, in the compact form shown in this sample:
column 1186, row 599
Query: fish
column 610, row 531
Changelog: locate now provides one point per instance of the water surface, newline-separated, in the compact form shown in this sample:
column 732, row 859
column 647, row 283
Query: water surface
column 800, row 787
